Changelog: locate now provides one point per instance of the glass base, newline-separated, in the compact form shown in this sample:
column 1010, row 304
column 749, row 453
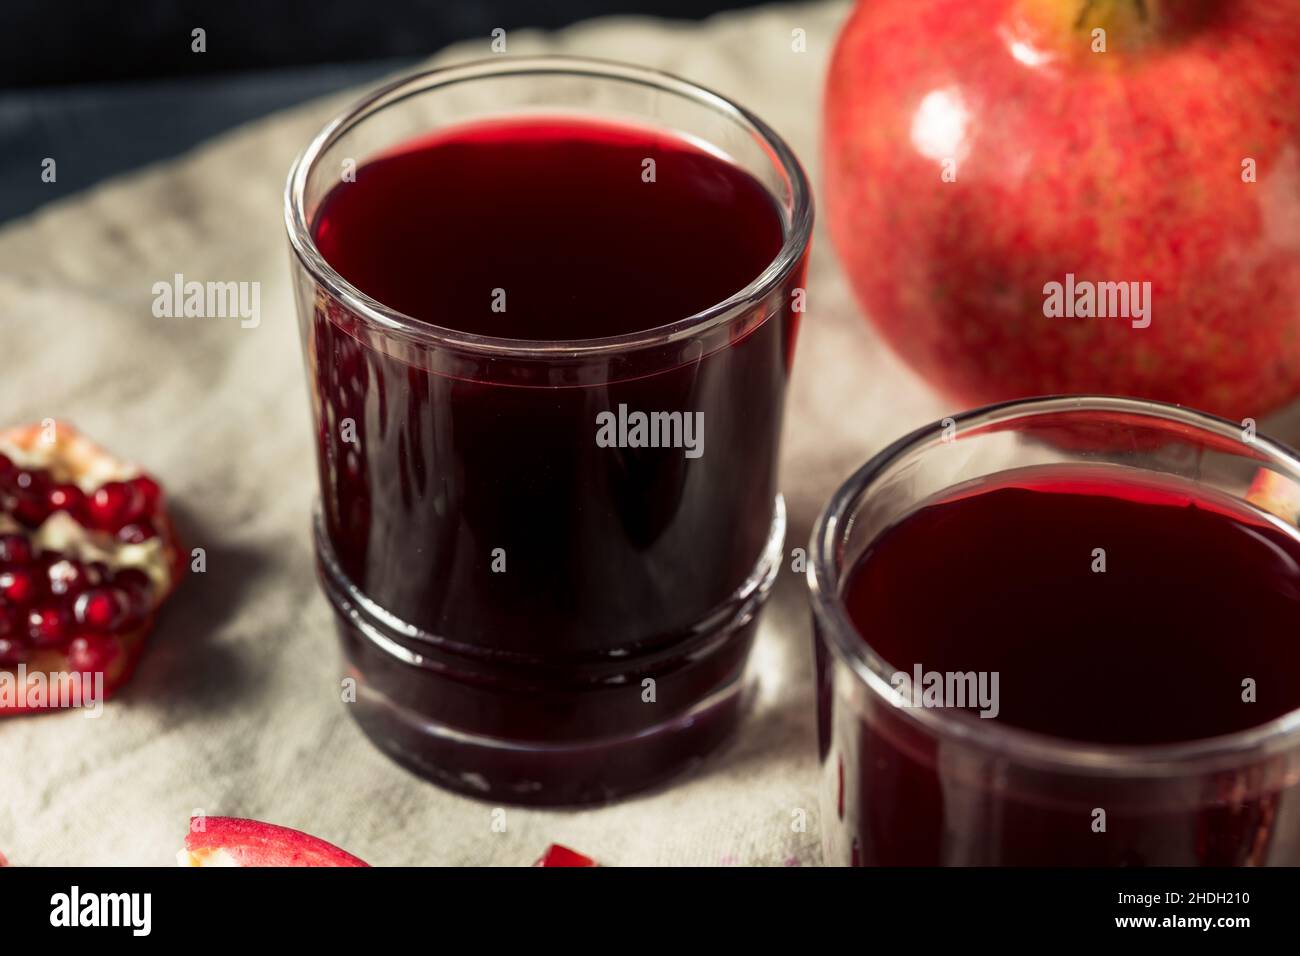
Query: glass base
column 549, row 731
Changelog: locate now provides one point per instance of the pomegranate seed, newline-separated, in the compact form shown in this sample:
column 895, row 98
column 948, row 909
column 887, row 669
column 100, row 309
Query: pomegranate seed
column 558, row 855
column 97, row 573
column 137, row 533
column 67, row 498
column 146, row 495
column 139, row 588
column 15, row 549
column 6, row 465
column 66, row 576
column 42, row 563
column 102, row 609
column 11, row 652
column 29, row 479
column 8, row 619
column 92, row 652
column 109, row 505
column 17, row 585
column 48, row 625
column 31, row 509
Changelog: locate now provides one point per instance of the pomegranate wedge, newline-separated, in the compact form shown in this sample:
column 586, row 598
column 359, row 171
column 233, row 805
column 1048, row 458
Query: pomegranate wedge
column 88, row 554
column 231, row 841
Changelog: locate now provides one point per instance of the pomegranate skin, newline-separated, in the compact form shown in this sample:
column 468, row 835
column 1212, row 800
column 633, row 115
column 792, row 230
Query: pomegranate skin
column 1122, row 166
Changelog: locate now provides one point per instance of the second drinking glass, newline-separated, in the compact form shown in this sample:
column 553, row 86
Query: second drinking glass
column 548, row 308
column 1062, row 631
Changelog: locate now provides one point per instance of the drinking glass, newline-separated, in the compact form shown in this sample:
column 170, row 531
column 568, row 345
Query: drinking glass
column 611, row 652
column 907, row 785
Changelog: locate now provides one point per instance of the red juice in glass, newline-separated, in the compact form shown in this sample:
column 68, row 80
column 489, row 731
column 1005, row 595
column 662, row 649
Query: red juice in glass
column 1091, row 663
column 548, row 506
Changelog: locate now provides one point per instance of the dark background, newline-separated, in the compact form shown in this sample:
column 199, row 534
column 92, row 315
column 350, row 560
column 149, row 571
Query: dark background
column 104, row 86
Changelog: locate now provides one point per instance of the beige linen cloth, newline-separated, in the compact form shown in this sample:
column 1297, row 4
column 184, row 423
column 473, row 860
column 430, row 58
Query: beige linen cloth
column 235, row 709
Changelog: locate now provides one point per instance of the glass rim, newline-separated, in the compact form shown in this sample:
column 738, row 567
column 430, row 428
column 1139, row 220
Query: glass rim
column 1019, row 745
column 390, row 321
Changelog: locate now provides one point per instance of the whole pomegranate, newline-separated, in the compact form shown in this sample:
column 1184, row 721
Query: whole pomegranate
column 1038, row 196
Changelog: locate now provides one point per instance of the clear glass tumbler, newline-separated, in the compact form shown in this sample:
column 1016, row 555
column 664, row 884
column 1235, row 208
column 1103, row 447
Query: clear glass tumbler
column 612, row 652
column 916, row 785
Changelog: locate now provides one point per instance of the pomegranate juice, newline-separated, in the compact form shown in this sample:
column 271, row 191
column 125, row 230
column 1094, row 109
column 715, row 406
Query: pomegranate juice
column 526, row 599
column 1115, row 612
